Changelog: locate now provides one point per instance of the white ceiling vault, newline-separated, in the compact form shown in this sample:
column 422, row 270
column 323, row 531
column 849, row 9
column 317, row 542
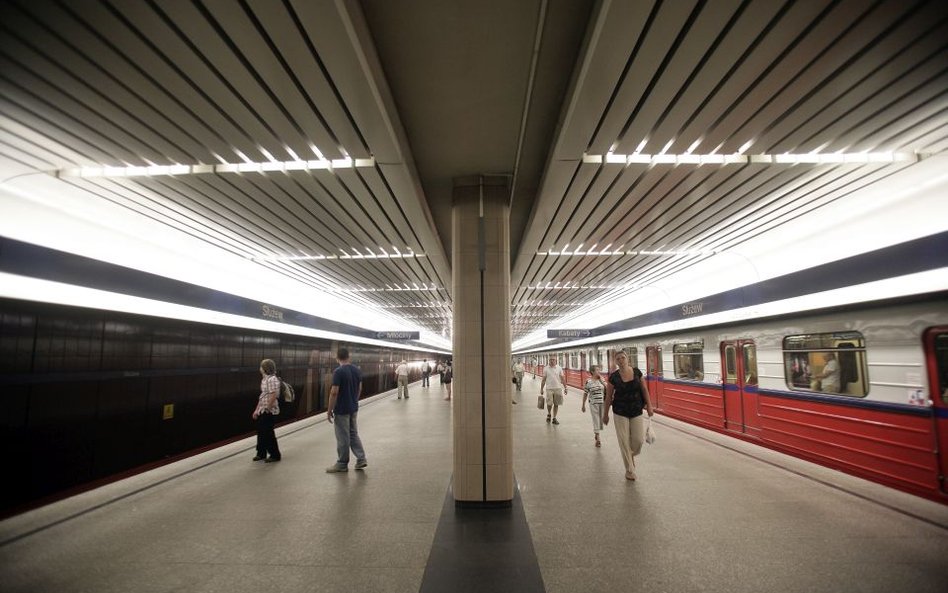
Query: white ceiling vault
column 317, row 140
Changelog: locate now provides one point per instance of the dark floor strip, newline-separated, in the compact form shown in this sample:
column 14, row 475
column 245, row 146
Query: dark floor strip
column 483, row 550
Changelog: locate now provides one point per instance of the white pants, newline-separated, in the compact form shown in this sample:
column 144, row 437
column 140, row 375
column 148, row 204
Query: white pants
column 631, row 433
column 595, row 410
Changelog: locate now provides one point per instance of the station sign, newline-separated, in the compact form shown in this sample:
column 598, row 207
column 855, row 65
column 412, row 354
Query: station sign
column 568, row 333
column 398, row 335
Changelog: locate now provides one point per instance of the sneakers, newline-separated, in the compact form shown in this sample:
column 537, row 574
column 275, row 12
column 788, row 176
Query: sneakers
column 336, row 469
column 259, row 457
column 361, row 464
column 547, row 418
column 272, row 459
column 555, row 421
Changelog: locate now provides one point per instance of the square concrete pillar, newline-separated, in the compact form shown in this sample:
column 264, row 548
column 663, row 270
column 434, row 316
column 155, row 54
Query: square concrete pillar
column 483, row 438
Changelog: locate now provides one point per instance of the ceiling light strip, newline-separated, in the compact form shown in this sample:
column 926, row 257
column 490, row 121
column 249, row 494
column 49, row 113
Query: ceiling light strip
column 610, row 253
column 812, row 158
column 246, row 167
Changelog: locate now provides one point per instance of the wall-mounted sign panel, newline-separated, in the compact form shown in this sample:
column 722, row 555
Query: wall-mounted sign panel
column 398, row 335
column 568, row 333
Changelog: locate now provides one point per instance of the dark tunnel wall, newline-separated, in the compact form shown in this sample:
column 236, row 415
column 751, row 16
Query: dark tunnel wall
column 86, row 393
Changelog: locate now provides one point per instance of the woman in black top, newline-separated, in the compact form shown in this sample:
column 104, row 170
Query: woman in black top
column 627, row 395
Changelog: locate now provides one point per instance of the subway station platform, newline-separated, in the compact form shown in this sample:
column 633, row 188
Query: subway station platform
column 708, row 513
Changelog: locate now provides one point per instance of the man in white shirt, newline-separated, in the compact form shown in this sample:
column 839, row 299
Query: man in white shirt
column 554, row 381
column 829, row 378
column 518, row 373
column 401, row 375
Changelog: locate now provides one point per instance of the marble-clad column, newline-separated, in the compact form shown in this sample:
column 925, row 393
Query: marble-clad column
column 483, row 439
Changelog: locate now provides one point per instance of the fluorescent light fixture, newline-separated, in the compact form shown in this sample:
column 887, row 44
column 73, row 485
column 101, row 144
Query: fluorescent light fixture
column 403, row 288
column 248, row 166
column 605, row 252
column 810, row 158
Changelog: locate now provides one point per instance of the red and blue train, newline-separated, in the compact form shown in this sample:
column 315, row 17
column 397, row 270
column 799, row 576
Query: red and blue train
column 862, row 389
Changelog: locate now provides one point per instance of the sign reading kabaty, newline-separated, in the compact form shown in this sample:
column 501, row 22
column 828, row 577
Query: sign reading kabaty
column 398, row 335
column 568, row 333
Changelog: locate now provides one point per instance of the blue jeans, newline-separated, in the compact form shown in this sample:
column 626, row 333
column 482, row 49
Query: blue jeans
column 347, row 436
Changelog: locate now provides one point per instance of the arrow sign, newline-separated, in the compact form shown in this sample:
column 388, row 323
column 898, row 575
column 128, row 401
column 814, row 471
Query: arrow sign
column 568, row 333
column 398, row 335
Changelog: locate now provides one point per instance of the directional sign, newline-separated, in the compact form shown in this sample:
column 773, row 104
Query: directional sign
column 398, row 335
column 568, row 333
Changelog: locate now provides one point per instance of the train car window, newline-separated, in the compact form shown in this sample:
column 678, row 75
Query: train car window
column 633, row 353
column 827, row 363
column 689, row 360
column 654, row 356
column 750, row 364
column 730, row 364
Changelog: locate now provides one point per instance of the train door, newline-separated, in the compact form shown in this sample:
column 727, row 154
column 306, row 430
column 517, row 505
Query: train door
column 739, row 380
column 653, row 375
column 936, row 356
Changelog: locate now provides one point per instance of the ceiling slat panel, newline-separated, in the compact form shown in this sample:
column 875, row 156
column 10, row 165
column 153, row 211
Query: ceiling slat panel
column 575, row 213
column 129, row 78
column 36, row 145
column 822, row 70
column 153, row 205
column 294, row 49
column 224, row 80
column 911, row 115
column 81, row 118
column 683, row 64
column 711, row 74
column 821, row 40
column 291, row 116
column 741, row 80
column 668, row 23
column 884, row 62
column 846, row 131
column 85, row 88
column 20, row 106
column 617, row 28
column 123, row 61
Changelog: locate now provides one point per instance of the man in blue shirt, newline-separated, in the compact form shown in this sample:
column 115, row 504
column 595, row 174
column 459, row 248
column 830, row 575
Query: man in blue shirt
column 343, row 408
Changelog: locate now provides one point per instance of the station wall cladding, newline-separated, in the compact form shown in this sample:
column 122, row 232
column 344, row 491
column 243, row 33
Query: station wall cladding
column 88, row 394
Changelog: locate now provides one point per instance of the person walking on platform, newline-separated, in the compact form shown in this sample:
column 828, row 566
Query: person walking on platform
column 343, row 411
column 447, row 377
column 401, row 376
column 554, row 381
column 518, row 373
column 627, row 395
column 425, row 373
column 593, row 391
column 440, row 370
column 268, row 408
